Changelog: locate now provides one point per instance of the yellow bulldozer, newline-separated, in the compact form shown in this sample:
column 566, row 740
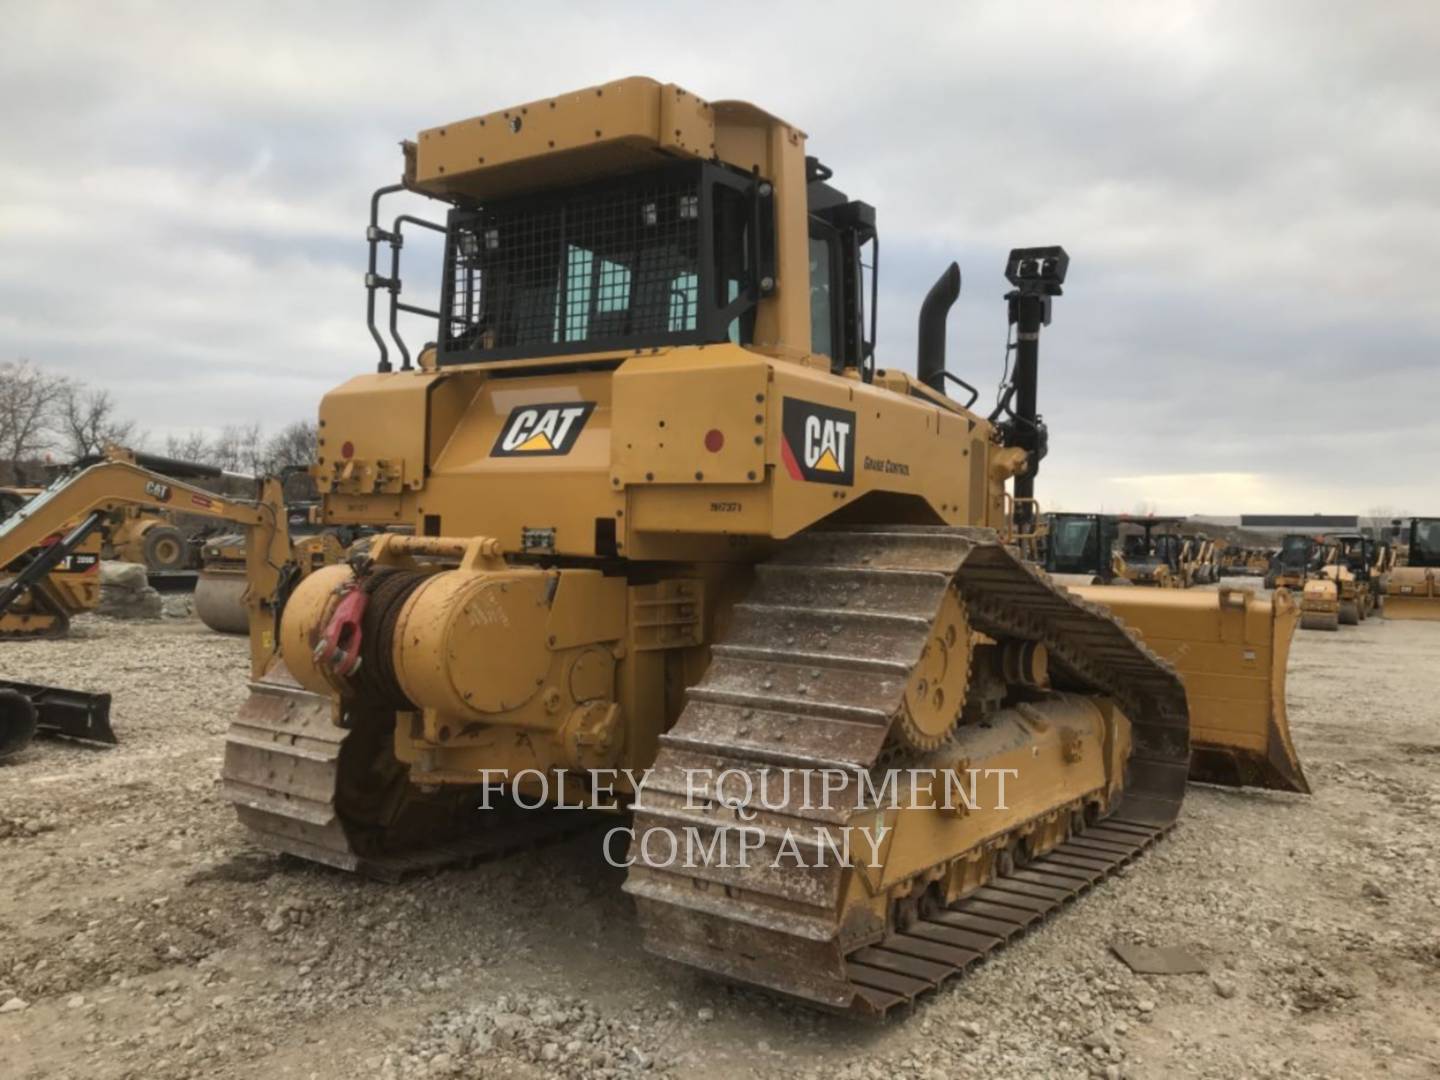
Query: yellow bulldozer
column 660, row 535
column 1412, row 590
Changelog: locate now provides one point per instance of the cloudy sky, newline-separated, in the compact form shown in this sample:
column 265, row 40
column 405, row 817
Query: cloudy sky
column 1250, row 194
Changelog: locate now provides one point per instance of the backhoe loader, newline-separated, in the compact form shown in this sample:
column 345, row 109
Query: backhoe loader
column 47, row 603
column 45, row 609
column 654, row 514
column 63, row 522
column 44, row 604
column 1412, row 590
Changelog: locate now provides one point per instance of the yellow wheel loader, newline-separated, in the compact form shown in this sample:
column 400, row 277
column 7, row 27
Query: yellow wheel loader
column 145, row 535
column 1412, row 590
column 662, row 537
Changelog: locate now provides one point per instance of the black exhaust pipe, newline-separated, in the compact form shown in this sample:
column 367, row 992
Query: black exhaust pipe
column 930, row 352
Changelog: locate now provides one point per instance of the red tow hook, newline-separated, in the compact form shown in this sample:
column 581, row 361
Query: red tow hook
column 339, row 647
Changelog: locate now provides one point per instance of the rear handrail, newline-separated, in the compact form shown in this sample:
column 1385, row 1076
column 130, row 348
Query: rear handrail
column 375, row 281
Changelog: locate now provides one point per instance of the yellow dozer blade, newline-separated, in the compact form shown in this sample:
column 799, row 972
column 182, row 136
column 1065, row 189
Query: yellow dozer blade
column 1412, row 592
column 1231, row 648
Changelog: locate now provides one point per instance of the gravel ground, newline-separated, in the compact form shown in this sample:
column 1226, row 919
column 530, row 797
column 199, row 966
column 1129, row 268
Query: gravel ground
column 142, row 935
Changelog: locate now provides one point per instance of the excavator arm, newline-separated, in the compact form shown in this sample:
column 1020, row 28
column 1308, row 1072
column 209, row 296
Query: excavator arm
column 74, row 505
column 96, row 490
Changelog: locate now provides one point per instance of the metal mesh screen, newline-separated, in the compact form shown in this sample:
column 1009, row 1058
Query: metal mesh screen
column 605, row 266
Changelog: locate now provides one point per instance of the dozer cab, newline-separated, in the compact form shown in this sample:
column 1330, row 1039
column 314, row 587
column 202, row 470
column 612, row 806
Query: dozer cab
column 669, row 524
column 1412, row 590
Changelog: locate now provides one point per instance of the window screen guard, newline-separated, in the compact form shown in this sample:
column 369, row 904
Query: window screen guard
column 676, row 256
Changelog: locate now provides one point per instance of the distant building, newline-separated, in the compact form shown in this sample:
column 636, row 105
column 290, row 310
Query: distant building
column 1280, row 524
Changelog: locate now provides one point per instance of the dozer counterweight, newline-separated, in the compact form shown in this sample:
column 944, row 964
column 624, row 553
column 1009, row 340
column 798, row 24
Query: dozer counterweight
column 653, row 511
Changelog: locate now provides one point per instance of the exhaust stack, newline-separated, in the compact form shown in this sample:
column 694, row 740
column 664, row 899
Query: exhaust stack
column 930, row 352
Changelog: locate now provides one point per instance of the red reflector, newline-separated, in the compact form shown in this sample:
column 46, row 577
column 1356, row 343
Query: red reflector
column 348, row 450
column 714, row 440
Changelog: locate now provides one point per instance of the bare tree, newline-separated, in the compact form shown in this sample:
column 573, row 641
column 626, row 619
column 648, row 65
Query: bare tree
column 294, row 444
column 87, row 422
column 238, row 449
column 192, row 446
column 28, row 399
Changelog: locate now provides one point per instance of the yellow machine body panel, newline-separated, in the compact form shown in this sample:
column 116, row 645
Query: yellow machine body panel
column 1413, row 592
column 1231, row 648
column 692, row 453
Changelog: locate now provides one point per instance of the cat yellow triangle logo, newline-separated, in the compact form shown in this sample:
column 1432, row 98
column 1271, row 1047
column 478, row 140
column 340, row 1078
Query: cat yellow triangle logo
column 537, row 430
column 827, row 463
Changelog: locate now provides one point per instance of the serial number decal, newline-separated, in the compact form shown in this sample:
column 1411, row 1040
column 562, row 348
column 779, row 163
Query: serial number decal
column 725, row 508
column 885, row 465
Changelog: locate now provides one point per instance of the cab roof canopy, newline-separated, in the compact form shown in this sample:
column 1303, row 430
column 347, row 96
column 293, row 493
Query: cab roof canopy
column 624, row 126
